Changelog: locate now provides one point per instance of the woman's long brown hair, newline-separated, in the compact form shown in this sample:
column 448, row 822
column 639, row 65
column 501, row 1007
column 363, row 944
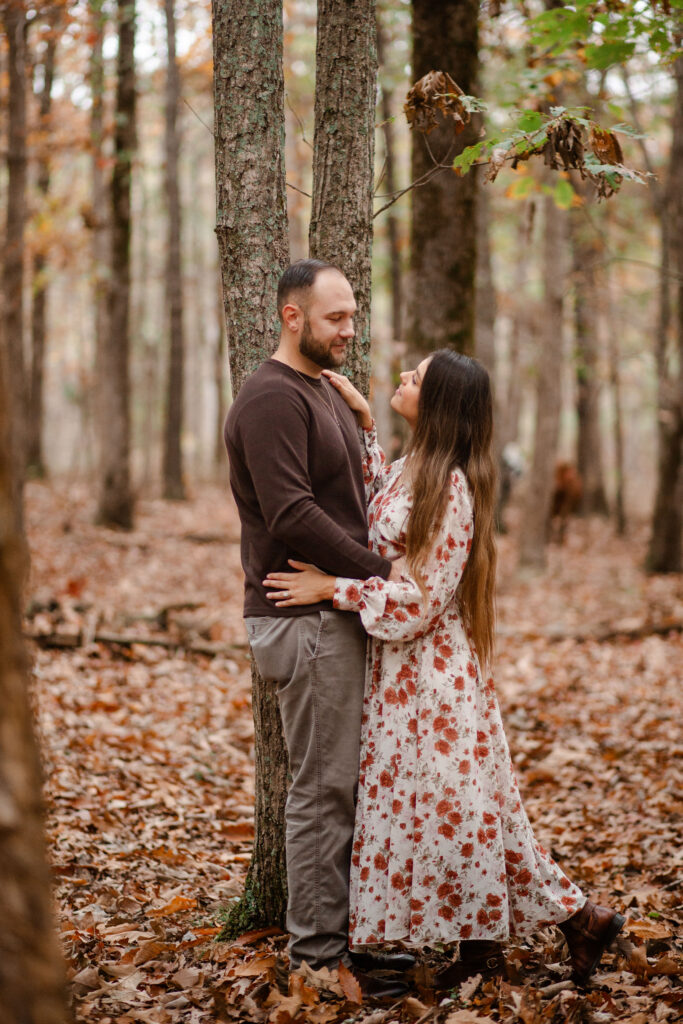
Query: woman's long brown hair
column 454, row 428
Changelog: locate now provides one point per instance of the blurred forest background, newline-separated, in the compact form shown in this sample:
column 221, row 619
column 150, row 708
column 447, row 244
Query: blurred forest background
column 142, row 178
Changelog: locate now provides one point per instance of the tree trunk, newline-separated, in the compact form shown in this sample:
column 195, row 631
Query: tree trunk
column 548, row 395
column 617, row 418
column 115, row 506
column 586, row 252
column 219, row 381
column 34, row 441
column 98, row 220
column 14, row 18
column 485, row 301
column 443, row 252
column 32, row 984
column 173, row 463
column 390, row 186
column 253, row 246
column 343, row 157
column 664, row 553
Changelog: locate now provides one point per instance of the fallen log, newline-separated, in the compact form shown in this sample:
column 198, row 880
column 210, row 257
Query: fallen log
column 72, row 640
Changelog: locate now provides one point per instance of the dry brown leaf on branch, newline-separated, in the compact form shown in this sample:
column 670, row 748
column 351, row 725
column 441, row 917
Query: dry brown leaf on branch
column 435, row 92
column 605, row 145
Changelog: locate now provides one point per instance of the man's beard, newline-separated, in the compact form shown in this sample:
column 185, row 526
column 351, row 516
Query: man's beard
column 315, row 350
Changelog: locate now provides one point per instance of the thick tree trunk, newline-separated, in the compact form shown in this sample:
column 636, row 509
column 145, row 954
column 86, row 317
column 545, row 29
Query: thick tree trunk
column 586, row 248
column 219, row 375
column 443, row 250
column 665, row 550
column 390, row 186
column 343, row 157
column 34, row 443
column 548, row 395
column 253, row 246
column 14, row 19
column 32, row 985
column 173, row 462
column 115, row 505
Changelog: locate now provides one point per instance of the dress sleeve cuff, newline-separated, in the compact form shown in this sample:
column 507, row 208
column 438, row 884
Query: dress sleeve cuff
column 347, row 595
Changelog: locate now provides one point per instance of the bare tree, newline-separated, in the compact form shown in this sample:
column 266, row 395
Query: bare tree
column 390, row 186
column 173, row 460
column 34, row 441
column 13, row 14
column 548, row 394
column 115, row 501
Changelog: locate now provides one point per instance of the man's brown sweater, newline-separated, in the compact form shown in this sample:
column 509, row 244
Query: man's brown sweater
column 297, row 478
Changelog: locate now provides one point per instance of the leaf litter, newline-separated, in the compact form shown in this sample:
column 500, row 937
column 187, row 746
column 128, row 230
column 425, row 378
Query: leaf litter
column 148, row 756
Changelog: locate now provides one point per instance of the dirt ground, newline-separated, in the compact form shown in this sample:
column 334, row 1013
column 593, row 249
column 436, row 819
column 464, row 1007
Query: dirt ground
column 142, row 691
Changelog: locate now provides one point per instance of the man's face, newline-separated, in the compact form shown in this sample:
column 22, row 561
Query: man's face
column 328, row 320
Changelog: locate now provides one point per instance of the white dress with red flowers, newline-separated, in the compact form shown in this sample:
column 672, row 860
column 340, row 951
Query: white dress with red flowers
column 443, row 849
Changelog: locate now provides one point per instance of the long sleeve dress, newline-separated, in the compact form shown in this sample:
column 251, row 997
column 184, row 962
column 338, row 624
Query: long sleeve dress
column 443, row 849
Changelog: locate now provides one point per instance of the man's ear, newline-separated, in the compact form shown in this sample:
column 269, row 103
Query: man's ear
column 293, row 316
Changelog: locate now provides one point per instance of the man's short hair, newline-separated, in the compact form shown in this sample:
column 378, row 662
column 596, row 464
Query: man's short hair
column 300, row 277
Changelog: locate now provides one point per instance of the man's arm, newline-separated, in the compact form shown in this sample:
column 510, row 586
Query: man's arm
column 275, row 450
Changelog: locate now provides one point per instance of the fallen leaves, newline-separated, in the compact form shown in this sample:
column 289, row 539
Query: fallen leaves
column 148, row 758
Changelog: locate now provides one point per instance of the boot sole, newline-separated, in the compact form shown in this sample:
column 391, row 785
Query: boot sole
column 616, row 924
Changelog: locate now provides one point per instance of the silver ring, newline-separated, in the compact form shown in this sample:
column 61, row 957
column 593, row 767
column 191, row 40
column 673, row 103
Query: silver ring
column 286, row 594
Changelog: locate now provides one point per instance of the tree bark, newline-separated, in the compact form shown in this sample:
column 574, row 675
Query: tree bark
column 254, row 252
column 443, row 248
column 14, row 18
column 390, row 186
column 548, row 395
column 32, row 984
column 665, row 549
column 343, row 157
column 219, row 375
column 34, row 450
column 173, row 462
column 115, row 504
column 586, row 252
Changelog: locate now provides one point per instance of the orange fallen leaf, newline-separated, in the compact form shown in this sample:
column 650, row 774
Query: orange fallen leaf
column 349, row 984
column 649, row 929
column 177, row 904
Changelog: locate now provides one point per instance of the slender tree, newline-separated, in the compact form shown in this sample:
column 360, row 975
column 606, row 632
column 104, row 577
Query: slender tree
column 343, row 156
column 665, row 550
column 115, row 504
column 32, row 988
column 34, row 452
column 14, row 20
column 254, row 251
column 390, row 186
column 443, row 225
column 586, row 252
column 548, row 394
column 98, row 217
column 173, row 462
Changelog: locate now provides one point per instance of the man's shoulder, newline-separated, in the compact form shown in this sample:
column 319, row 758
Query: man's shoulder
column 269, row 388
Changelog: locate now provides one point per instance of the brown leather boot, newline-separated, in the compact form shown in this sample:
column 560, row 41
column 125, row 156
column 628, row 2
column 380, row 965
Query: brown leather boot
column 485, row 958
column 588, row 933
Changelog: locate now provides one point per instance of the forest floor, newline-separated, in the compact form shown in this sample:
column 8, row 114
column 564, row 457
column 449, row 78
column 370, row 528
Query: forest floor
column 149, row 774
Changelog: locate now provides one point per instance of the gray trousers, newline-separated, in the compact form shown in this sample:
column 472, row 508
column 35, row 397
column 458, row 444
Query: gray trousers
column 317, row 662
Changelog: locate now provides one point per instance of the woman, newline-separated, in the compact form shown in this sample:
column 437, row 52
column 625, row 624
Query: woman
column 443, row 850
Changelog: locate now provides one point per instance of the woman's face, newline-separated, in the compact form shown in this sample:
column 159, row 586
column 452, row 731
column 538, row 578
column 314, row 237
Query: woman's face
column 407, row 394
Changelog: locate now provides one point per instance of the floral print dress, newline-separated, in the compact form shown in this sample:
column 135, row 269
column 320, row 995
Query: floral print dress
column 443, row 849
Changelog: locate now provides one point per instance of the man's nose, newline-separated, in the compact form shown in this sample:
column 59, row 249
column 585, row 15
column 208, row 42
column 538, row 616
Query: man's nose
column 347, row 331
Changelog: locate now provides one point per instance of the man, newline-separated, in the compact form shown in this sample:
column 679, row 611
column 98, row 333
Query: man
column 296, row 474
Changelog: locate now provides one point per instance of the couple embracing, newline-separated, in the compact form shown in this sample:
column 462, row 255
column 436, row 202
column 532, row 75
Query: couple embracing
column 404, row 823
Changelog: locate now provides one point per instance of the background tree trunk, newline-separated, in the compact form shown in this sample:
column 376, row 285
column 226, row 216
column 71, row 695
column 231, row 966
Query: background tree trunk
column 586, row 252
column 254, row 252
column 34, row 441
column 664, row 553
column 485, row 292
column 443, row 225
column 390, row 186
column 343, row 157
column 32, row 985
column 14, row 19
column 115, row 506
column 534, row 530
column 173, row 463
